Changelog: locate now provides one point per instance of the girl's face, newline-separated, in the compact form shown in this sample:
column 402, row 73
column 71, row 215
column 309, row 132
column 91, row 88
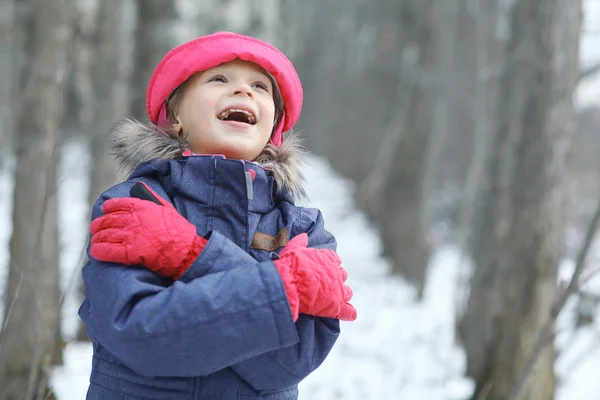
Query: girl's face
column 227, row 110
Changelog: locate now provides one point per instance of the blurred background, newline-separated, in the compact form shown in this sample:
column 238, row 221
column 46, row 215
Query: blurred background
column 456, row 157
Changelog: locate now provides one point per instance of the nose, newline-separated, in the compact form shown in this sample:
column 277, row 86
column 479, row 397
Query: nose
column 243, row 89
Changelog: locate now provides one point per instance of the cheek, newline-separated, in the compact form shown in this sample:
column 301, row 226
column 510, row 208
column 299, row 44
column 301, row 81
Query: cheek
column 269, row 112
column 199, row 102
column 268, row 123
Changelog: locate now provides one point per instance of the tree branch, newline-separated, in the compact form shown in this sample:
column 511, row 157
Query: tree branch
column 588, row 72
column 547, row 332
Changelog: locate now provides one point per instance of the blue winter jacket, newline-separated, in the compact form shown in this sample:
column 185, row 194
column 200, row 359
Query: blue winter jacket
column 224, row 330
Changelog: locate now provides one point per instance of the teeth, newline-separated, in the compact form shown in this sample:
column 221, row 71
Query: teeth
column 225, row 114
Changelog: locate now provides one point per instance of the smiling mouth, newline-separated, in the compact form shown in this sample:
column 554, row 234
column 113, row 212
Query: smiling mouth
column 238, row 115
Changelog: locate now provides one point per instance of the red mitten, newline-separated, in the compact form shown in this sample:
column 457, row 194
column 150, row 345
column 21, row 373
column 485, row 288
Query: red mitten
column 134, row 231
column 314, row 281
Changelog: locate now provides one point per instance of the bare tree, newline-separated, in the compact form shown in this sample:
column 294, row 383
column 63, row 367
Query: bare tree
column 156, row 22
column 400, row 203
column 30, row 337
column 111, row 96
column 80, row 97
column 7, row 55
column 518, row 239
column 368, row 107
column 14, row 15
column 107, row 73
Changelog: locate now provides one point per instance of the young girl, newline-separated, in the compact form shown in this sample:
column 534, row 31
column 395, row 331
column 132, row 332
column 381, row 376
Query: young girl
column 204, row 280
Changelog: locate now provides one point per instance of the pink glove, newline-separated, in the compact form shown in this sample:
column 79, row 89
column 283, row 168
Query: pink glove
column 134, row 231
column 314, row 281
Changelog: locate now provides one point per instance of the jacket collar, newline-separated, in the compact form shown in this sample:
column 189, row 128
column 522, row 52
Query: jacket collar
column 215, row 181
column 134, row 144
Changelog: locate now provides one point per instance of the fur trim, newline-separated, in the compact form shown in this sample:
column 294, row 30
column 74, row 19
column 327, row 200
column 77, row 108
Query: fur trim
column 132, row 143
column 284, row 162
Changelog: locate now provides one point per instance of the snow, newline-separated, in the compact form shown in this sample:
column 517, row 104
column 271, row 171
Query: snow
column 70, row 381
column 397, row 348
column 589, row 93
column 6, row 200
column 72, row 196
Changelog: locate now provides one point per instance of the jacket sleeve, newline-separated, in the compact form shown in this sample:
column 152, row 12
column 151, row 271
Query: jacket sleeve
column 228, row 307
column 285, row 367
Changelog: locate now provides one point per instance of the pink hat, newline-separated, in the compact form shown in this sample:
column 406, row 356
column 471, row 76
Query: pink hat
column 209, row 51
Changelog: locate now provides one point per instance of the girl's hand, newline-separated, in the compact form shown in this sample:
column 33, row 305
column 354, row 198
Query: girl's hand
column 314, row 281
column 134, row 231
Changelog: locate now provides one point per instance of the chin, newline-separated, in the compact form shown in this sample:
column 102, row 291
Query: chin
column 240, row 153
column 240, row 149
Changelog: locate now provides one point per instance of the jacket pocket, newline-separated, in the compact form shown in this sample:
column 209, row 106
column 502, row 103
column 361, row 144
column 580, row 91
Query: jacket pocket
column 246, row 392
column 285, row 394
column 97, row 392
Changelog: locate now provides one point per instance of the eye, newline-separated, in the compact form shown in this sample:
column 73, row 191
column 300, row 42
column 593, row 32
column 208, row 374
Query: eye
column 261, row 85
column 218, row 78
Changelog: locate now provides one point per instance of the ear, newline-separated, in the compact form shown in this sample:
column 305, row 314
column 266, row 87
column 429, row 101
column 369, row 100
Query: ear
column 178, row 126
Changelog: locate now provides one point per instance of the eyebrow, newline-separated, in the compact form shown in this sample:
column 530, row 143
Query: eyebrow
column 265, row 75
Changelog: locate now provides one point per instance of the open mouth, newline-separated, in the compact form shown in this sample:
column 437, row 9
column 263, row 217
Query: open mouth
column 238, row 115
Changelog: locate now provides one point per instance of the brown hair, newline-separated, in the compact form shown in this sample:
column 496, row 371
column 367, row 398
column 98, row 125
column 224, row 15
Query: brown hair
column 173, row 103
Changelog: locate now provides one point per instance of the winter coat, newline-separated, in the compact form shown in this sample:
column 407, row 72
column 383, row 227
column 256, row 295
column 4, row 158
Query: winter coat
column 224, row 330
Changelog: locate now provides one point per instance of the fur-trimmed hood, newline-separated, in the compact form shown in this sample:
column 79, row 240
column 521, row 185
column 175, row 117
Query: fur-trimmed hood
column 133, row 143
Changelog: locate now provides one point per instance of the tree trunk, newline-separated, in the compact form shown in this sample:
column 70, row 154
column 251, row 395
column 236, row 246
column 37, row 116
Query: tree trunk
column 443, row 125
column 367, row 110
column 7, row 71
column 108, row 98
column 29, row 341
column 402, row 213
column 518, row 239
column 156, row 22
column 15, row 17
column 81, row 102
